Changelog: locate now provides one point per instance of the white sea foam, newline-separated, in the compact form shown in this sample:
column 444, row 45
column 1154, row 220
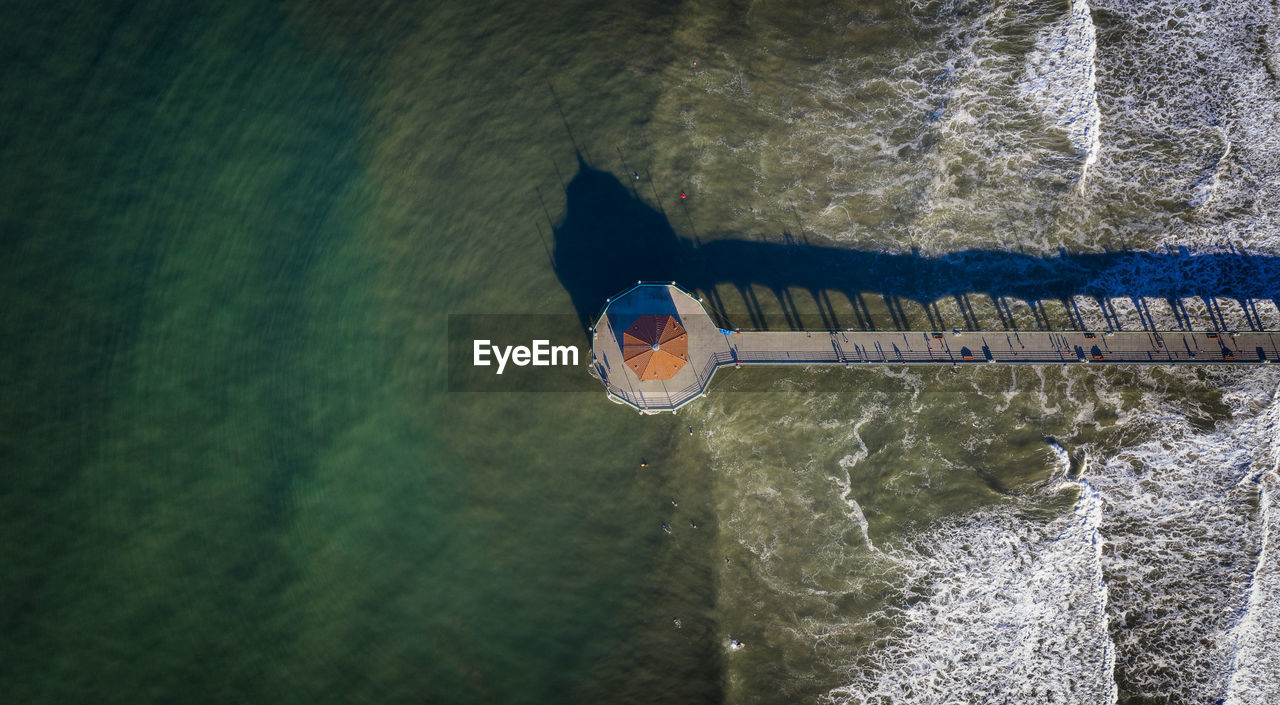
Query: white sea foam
column 1257, row 660
column 1182, row 533
column 1062, row 456
column 941, row 143
column 1194, row 272
column 1191, row 107
column 1255, row 667
column 1207, row 185
column 846, row 492
column 792, row 528
column 1151, row 574
column 1062, row 79
column 1012, row 611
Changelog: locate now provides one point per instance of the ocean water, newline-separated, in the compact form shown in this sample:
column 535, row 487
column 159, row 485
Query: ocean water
column 230, row 239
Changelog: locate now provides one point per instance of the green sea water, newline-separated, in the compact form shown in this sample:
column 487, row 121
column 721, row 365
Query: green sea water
column 230, row 470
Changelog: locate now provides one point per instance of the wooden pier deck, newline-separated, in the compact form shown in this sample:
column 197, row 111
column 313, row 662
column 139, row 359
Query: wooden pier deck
column 710, row 347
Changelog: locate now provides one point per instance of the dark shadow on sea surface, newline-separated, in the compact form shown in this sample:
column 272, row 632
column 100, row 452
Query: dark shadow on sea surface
column 609, row 238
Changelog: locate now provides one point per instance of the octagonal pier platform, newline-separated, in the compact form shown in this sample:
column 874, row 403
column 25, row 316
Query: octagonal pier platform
column 710, row 347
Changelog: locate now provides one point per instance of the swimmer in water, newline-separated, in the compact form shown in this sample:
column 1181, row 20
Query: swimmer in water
column 735, row 644
column 691, row 430
column 666, row 528
column 675, row 503
column 643, row 464
column 676, row 622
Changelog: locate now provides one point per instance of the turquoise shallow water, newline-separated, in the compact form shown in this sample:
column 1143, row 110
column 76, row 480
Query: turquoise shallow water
column 230, row 469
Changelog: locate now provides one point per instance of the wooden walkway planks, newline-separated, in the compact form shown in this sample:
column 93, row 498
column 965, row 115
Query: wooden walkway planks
column 710, row 348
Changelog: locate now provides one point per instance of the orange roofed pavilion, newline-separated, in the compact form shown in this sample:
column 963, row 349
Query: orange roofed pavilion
column 655, row 346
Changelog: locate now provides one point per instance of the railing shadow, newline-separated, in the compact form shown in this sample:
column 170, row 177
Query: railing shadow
column 609, row 239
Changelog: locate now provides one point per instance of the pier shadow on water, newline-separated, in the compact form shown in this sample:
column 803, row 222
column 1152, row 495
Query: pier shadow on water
column 609, row 238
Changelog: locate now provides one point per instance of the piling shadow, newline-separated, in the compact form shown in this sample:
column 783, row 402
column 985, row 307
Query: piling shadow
column 610, row 238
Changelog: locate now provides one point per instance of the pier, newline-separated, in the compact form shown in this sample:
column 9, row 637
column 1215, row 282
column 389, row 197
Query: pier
column 666, row 334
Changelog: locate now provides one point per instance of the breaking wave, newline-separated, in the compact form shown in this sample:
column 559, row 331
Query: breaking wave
column 1182, row 531
column 1256, row 660
column 1145, row 568
column 1156, row 575
column 1010, row 611
column 1061, row 78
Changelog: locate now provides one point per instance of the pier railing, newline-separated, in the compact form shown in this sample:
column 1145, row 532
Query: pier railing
column 712, row 347
column 671, row 400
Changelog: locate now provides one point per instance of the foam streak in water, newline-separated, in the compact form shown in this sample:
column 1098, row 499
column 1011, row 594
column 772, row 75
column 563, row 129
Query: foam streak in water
column 846, row 492
column 1062, row 79
column 1013, row 612
column 1182, row 532
column 1257, row 661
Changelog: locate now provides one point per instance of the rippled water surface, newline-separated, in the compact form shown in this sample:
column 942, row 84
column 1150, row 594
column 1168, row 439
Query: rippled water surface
column 232, row 472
